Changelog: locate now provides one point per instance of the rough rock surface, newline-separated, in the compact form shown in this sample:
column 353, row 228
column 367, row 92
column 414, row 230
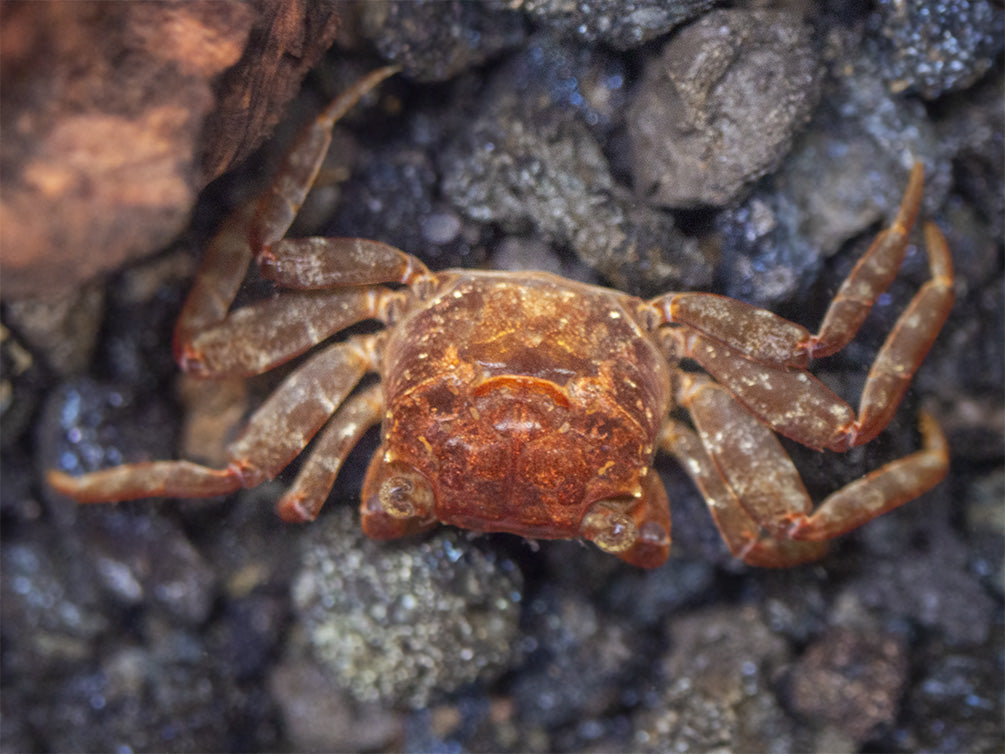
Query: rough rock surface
column 689, row 122
column 106, row 145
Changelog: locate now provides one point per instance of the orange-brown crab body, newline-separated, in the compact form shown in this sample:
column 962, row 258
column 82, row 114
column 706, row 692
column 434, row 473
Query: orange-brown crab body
column 518, row 392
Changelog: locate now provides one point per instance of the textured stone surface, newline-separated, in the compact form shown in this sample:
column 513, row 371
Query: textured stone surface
column 938, row 46
column 106, row 145
column 620, row 23
column 720, row 106
column 398, row 625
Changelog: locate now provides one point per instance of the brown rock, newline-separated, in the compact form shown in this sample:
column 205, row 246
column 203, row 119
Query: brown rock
column 115, row 115
column 852, row 680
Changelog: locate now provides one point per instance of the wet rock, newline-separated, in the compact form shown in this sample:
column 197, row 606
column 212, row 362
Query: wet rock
column 622, row 24
column 136, row 349
column 845, row 175
column 434, row 40
column 518, row 254
column 717, row 695
column 931, row 585
column 146, row 559
column 521, row 166
column 851, row 165
column 394, row 197
column 967, row 367
column 319, row 716
column 249, row 632
column 972, row 131
column 51, row 613
column 579, row 659
column 651, row 597
column 720, row 106
column 956, row 704
column 793, row 602
column 937, row 46
column 766, row 256
column 88, row 425
column 400, row 624
column 142, row 699
column 252, row 553
column 590, row 81
column 852, row 680
column 63, row 328
column 985, row 518
column 20, row 380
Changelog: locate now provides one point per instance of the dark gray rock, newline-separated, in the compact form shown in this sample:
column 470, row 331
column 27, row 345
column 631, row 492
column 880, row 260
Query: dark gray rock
column 525, row 167
column 403, row 624
column 623, row 24
column 938, row 46
column 433, row 40
column 720, row 106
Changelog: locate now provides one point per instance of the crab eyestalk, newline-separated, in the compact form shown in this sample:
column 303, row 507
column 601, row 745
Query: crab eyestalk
column 634, row 528
column 609, row 526
column 397, row 501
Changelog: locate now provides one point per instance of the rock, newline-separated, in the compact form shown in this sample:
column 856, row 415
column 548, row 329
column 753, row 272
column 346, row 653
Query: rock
column 520, row 165
column 938, row 46
column 720, row 106
column 433, row 40
column 107, row 144
column 851, row 680
column 400, row 625
column 623, row 24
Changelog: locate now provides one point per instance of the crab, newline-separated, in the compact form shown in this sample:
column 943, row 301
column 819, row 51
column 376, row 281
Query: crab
column 528, row 403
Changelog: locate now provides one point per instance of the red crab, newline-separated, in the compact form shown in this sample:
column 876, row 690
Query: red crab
column 523, row 402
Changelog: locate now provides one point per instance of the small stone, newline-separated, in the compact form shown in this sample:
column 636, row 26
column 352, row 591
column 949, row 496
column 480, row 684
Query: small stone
column 623, row 24
column 716, row 694
column 852, row 680
column 402, row 624
column 938, row 46
column 520, row 165
column 434, row 40
column 319, row 716
column 719, row 107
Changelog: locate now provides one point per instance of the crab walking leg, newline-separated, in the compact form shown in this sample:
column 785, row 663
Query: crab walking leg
column 748, row 455
column 791, row 402
column 800, row 407
column 220, row 274
column 764, row 336
column 258, row 337
column 275, row 434
column 259, row 223
column 329, row 262
column 740, row 532
column 286, row 422
column 871, row 275
column 907, row 344
column 314, row 482
column 280, row 204
column 882, row 490
column 760, row 474
column 138, row 480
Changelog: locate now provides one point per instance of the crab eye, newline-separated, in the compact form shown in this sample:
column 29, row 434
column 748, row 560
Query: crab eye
column 609, row 525
column 405, row 495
